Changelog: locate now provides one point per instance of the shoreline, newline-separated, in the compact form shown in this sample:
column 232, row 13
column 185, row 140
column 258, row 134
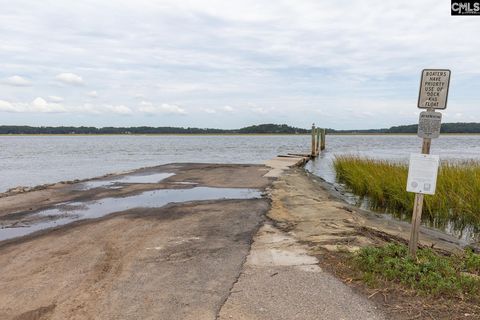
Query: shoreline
column 221, row 134
column 274, row 173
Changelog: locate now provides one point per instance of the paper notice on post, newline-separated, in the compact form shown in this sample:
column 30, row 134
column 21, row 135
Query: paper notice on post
column 422, row 173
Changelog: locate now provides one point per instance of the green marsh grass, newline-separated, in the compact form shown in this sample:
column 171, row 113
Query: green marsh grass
column 382, row 184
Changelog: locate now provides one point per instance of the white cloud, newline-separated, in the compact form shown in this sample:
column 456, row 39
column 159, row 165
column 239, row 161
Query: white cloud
column 70, row 78
column 139, row 96
column 6, row 106
column 92, row 94
column 201, row 86
column 148, row 107
column 17, row 81
column 228, row 109
column 105, row 109
column 55, row 99
column 41, row 105
column 88, row 108
column 180, row 87
column 209, row 110
column 38, row 105
column 261, row 110
column 119, row 109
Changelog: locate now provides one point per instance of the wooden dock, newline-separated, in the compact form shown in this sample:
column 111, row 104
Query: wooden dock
column 283, row 162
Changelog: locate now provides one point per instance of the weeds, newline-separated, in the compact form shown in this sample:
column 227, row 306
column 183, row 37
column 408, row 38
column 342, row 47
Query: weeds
column 430, row 273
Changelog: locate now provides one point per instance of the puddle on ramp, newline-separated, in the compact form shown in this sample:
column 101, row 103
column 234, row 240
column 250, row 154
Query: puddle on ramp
column 68, row 212
column 114, row 183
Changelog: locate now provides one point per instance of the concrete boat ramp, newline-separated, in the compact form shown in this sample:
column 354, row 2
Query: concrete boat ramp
column 178, row 241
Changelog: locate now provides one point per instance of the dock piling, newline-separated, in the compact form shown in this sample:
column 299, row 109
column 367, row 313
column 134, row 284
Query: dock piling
column 318, row 141
column 322, row 143
column 313, row 153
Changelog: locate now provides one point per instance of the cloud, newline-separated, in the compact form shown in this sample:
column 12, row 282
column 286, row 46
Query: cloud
column 228, row 109
column 17, row 81
column 55, row 99
column 41, row 105
column 6, row 106
column 180, row 87
column 139, row 96
column 164, row 108
column 119, row 109
column 70, row 78
column 88, row 108
column 201, row 86
column 261, row 110
column 105, row 109
column 92, row 94
column 38, row 105
column 209, row 110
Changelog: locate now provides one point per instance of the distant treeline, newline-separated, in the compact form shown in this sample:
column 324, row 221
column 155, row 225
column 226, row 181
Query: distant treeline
column 262, row 128
column 459, row 127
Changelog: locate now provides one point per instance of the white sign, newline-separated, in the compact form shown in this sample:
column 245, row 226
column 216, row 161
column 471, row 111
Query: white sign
column 434, row 89
column 429, row 124
column 422, row 173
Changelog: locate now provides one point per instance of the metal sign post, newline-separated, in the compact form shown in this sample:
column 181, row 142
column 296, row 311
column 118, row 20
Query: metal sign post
column 422, row 173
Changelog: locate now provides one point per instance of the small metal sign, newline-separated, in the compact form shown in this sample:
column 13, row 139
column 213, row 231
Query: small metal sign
column 434, row 89
column 422, row 173
column 429, row 124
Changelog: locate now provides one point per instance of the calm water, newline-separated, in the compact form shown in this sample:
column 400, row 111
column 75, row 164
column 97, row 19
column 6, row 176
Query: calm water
column 30, row 161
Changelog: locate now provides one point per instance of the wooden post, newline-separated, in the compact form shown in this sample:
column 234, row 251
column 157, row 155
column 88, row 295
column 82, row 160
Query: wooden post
column 322, row 145
column 317, row 144
column 417, row 208
column 441, row 88
column 313, row 141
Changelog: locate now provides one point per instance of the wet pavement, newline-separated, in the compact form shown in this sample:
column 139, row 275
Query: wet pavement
column 126, row 179
column 68, row 212
column 169, row 240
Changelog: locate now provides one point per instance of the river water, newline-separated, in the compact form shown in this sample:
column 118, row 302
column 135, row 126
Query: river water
column 35, row 160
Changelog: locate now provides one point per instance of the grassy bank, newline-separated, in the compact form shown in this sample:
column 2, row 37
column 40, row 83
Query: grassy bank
column 430, row 274
column 383, row 183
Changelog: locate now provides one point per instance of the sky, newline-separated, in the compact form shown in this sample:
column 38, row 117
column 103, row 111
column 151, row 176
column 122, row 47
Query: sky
column 228, row 64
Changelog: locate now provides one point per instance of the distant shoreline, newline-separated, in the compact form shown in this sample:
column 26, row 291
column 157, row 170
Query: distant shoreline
column 261, row 129
column 222, row 134
column 151, row 134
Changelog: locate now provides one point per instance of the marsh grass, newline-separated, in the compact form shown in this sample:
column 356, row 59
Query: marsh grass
column 382, row 183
